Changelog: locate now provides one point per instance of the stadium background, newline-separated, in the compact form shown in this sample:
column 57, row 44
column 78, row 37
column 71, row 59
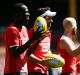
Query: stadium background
column 64, row 8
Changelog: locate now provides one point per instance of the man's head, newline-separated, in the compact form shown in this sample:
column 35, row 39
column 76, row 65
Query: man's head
column 20, row 13
column 70, row 25
column 47, row 14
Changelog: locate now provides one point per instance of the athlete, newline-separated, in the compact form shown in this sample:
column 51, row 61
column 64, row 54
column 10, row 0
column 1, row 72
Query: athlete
column 17, row 41
column 36, row 65
column 68, row 46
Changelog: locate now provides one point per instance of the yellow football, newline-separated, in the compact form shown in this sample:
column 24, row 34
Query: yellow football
column 55, row 60
column 41, row 23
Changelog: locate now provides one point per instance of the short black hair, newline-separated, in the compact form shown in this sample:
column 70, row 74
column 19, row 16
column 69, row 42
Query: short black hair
column 18, row 7
column 42, row 10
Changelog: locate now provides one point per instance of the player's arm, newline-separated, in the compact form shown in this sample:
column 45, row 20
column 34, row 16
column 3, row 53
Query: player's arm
column 33, row 47
column 17, row 50
column 39, row 33
column 64, row 45
column 33, row 58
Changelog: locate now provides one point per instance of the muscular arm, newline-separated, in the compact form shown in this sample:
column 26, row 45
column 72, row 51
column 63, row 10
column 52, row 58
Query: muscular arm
column 17, row 50
column 33, row 58
column 33, row 47
column 66, row 46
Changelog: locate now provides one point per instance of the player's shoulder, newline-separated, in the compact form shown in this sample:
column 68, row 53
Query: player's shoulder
column 11, row 29
column 24, row 27
column 65, row 40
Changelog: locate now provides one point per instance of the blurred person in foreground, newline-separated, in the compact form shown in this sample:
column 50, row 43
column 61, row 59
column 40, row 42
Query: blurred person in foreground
column 68, row 46
column 17, row 41
column 36, row 63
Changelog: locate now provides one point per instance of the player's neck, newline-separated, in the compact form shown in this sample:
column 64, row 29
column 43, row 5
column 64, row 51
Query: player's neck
column 68, row 34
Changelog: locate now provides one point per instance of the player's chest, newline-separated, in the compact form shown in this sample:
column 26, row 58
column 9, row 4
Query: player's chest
column 23, row 37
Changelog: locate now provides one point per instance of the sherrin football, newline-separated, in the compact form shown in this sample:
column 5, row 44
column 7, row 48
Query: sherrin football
column 54, row 60
column 41, row 23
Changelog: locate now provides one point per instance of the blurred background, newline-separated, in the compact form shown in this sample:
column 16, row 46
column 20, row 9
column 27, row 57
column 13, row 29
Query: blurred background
column 64, row 8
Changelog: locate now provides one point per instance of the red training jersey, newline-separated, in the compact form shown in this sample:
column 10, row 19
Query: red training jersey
column 70, row 61
column 15, row 37
column 40, row 52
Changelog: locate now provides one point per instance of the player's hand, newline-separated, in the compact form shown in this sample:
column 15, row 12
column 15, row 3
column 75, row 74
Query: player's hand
column 43, row 36
column 38, row 34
